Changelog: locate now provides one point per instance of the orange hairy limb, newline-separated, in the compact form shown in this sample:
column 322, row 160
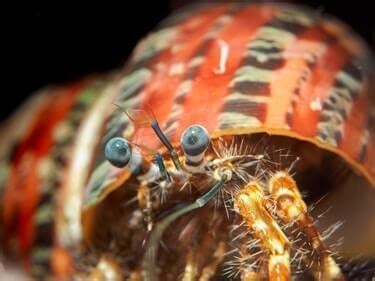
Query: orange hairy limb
column 291, row 208
column 250, row 203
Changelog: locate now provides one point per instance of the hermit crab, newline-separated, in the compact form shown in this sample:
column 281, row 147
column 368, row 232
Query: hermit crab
column 238, row 143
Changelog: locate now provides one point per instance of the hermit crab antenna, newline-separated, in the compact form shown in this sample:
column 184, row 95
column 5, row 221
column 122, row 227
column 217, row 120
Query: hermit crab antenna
column 147, row 118
column 163, row 138
column 149, row 260
column 163, row 170
column 194, row 142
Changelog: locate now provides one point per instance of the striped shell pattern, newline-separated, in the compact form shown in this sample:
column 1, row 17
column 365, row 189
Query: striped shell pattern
column 284, row 87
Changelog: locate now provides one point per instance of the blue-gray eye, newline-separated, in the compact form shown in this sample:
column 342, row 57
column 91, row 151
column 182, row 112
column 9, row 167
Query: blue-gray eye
column 117, row 152
column 195, row 140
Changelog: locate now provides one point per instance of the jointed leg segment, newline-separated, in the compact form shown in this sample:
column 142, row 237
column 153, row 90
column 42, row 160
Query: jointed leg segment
column 250, row 203
column 291, row 208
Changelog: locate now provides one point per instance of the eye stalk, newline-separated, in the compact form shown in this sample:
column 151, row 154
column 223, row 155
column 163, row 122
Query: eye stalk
column 195, row 140
column 118, row 152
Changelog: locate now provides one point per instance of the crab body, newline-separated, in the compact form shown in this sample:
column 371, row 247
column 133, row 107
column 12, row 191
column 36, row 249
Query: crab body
column 284, row 151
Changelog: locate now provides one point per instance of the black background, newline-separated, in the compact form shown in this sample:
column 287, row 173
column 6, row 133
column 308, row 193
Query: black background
column 51, row 43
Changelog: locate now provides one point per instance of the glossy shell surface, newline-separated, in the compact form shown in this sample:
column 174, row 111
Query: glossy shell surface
column 234, row 69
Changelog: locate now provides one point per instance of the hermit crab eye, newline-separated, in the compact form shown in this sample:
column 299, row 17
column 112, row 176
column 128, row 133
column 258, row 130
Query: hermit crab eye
column 195, row 140
column 117, row 152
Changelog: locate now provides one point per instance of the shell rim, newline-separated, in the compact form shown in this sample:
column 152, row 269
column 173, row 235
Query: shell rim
column 285, row 132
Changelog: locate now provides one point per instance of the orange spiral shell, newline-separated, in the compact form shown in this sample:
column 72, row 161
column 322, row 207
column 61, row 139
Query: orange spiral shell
column 276, row 70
